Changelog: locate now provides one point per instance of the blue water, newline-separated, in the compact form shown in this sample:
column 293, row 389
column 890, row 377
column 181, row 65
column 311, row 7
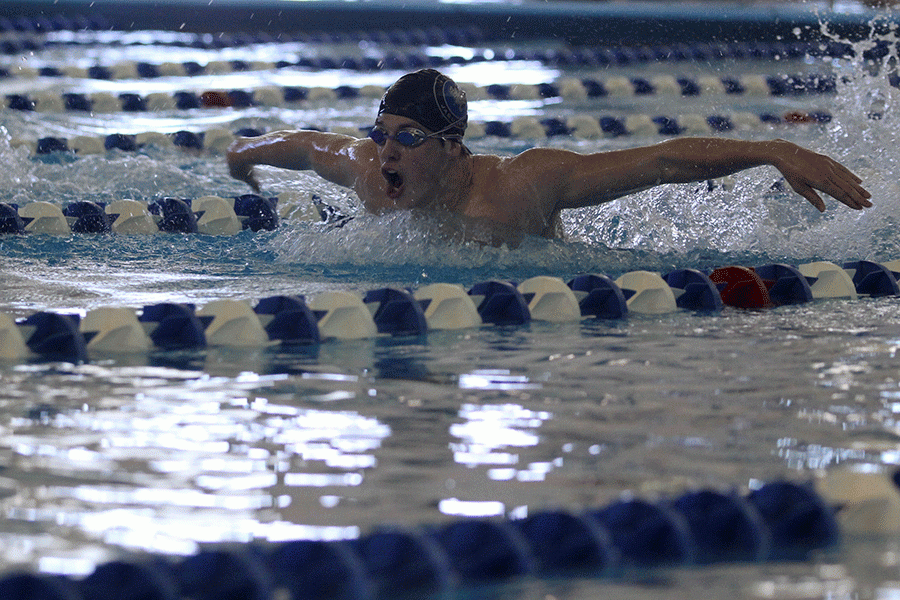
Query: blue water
column 164, row 451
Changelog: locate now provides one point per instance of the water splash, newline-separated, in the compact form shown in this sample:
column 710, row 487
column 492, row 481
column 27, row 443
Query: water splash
column 62, row 178
column 865, row 134
column 18, row 173
column 412, row 248
column 757, row 213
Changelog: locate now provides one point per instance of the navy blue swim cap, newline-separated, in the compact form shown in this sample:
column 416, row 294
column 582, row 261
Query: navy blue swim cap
column 430, row 98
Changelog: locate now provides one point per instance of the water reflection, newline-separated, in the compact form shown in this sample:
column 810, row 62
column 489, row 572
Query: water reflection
column 496, row 380
column 490, row 434
column 160, row 459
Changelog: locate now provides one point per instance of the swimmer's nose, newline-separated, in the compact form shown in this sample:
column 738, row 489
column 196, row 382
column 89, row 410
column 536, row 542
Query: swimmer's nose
column 390, row 150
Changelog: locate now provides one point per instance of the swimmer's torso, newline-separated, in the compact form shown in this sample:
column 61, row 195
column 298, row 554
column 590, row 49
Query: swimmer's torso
column 497, row 191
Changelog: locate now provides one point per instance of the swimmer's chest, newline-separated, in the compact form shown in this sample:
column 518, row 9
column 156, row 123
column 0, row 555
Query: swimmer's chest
column 512, row 200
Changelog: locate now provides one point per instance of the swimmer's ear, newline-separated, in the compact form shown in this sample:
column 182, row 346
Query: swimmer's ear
column 453, row 147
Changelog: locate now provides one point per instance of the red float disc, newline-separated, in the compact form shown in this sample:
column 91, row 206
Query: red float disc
column 743, row 287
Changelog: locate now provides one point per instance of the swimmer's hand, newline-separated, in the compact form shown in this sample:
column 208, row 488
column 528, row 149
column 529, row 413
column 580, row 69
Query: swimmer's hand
column 240, row 167
column 806, row 171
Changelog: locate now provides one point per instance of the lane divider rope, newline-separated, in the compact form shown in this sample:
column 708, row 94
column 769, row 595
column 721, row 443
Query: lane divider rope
column 207, row 215
column 217, row 140
column 293, row 321
column 777, row 521
column 570, row 89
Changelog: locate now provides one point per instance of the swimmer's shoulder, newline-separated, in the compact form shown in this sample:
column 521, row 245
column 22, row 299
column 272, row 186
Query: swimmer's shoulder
column 496, row 159
column 534, row 162
column 490, row 164
column 529, row 161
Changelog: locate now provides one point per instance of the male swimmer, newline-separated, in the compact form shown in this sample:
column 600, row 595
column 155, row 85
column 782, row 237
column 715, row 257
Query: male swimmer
column 415, row 157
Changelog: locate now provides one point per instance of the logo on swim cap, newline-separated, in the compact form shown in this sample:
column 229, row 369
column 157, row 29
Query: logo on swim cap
column 454, row 101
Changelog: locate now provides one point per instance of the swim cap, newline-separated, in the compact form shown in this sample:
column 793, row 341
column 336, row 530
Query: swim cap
column 430, row 98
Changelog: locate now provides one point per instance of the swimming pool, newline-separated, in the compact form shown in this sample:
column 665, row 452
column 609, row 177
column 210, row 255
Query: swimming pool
column 164, row 451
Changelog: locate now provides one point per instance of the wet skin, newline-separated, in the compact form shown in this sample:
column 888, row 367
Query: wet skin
column 526, row 192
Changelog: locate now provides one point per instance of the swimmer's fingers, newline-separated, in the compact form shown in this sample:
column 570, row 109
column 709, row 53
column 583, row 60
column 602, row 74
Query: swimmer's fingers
column 244, row 173
column 844, row 185
column 856, row 199
column 252, row 181
column 240, row 165
column 835, row 180
column 847, row 173
column 810, row 194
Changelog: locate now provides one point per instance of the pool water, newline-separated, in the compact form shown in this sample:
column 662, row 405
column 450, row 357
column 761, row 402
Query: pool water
column 166, row 451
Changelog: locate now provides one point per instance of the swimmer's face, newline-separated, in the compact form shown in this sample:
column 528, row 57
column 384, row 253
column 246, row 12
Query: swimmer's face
column 411, row 173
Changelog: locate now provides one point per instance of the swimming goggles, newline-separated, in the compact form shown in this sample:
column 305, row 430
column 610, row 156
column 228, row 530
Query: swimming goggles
column 409, row 137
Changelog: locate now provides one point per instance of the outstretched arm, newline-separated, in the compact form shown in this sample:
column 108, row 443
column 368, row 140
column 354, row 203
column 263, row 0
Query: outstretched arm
column 337, row 158
column 597, row 178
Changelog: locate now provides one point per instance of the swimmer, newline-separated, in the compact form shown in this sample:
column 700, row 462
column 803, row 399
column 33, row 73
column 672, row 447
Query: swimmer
column 415, row 158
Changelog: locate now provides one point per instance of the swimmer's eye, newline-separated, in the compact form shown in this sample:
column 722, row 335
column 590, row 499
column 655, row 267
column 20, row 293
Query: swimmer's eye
column 405, row 137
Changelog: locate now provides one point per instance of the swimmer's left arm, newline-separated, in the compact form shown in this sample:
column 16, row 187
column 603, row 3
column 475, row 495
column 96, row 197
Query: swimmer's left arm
column 585, row 180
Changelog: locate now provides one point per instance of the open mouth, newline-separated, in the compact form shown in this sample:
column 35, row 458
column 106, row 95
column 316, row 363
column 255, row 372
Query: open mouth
column 394, row 182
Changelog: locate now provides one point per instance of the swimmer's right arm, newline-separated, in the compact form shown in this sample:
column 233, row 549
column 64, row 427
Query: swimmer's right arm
column 337, row 158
